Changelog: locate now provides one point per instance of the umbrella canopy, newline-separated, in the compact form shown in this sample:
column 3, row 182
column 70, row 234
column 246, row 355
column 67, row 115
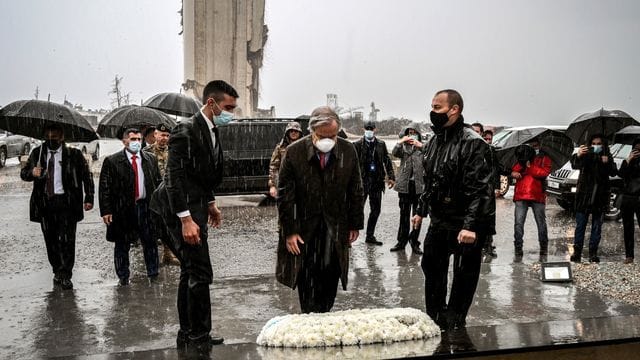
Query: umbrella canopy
column 31, row 117
column 128, row 116
column 605, row 122
column 553, row 143
column 627, row 135
column 174, row 104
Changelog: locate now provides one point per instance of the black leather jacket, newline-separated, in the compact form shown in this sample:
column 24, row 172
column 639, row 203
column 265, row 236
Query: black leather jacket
column 459, row 193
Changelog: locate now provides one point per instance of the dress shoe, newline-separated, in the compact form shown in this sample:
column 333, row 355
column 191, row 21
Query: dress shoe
column 576, row 258
column 594, row 259
column 628, row 260
column 397, row 247
column 205, row 343
column 416, row 249
column 123, row 282
column 66, row 284
column 373, row 241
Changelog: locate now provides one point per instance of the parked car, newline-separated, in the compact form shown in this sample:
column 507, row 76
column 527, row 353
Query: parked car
column 91, row 148
column 561, row 184
column 12, row 145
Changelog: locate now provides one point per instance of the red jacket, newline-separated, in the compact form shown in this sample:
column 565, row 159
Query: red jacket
column 530, row 186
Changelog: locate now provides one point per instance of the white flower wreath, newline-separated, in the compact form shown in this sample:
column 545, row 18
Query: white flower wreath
column 349, row 327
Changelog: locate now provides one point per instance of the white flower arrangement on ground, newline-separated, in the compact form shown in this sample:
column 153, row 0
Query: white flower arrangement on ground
column 349, row 327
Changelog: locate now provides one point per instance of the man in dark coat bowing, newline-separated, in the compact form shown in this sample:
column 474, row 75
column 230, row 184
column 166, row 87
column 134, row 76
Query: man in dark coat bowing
column 320, row 203
column 59, row 174
column 127, row 180
column 186, row 202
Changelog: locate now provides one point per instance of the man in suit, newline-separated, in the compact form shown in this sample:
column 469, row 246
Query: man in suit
column 320, row 203
column 375, row 165
column 186, row 201
column 59, row 174
column 127, row 180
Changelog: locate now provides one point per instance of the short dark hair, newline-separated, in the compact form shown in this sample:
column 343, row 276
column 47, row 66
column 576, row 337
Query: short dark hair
column 149, row 130
column 487, row 132
column 453, row 98
column 216, row 90
column 480, row 126
column 53, row 128
column 128, row 131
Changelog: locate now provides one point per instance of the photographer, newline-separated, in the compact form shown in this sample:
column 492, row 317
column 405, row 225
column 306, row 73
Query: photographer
column 592, row 193
column 630, row 197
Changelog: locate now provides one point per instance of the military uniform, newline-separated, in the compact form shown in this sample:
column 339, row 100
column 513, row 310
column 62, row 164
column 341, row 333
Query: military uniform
column 161, row 153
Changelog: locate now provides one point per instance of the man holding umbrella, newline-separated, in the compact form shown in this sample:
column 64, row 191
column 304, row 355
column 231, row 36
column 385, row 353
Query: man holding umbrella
column 59, row 174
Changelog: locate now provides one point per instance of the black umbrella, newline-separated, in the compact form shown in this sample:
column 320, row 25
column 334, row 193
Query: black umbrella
column 128, row 116
column 605, row 122
column 31, row 117
column 174, row 104
column 553, row 143
column 627, row 135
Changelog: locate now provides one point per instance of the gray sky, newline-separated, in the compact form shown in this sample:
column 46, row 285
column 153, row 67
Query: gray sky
column 515, row 62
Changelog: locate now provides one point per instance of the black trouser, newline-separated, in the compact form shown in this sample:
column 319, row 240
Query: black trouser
column 59, row 236
column 439, row 245
column 319, row 274
column 375, row 204
column 629, row 228
column 149, row 244
column 408, row 203
column 194, row 302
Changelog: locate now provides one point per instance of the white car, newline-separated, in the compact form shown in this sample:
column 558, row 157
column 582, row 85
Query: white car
column 90, row 148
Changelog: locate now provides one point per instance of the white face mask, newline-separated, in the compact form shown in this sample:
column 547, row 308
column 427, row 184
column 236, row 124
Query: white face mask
column 325, row 145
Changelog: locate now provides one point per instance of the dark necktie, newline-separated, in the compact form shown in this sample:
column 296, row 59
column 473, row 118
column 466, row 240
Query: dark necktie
column 51, row 173
column 134, row 164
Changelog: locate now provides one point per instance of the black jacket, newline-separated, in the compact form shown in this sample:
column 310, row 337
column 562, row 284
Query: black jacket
column 76, row 177
column 630, row 173
column 593, row 188
column 116, row 192
column 374, row 180
column 459, row 193
column 194, row 170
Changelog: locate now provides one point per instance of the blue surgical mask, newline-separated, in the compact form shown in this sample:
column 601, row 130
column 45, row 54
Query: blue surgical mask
column 368, row 134
column 597, row 148
column 415, row 137
column 224, row 118
column 135, row 147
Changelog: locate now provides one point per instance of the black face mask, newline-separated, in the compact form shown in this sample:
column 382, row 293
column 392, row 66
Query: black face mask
column 438, row 119
column 52, row 144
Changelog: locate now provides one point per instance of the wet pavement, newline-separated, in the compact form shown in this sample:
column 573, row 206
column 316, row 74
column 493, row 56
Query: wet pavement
column 98, row 318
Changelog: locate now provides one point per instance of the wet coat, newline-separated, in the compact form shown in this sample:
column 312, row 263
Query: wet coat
column 531, row 186
column 593, row 190
column 117, row 192
column 411, row 165
column 76, row 177
column 459, row 192
column 308, row 196
column 383, row 164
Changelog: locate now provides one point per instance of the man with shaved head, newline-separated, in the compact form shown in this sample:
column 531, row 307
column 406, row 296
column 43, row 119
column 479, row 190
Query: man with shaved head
column 320, row 204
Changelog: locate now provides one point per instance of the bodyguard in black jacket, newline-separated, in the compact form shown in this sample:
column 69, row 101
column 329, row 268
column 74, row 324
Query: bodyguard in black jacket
column 127, row 180
column 630, row 198
column 186, row 202
column 375, row 165
column 56, row 201
column 460, row 200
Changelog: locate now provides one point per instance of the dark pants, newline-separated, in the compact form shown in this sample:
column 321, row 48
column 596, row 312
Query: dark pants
column 194, row 301
column 375, row 204
column 319, row 274
column 149, row 244
column 439, row 245
column 582, row 219
column 628, row 224
column 408, row 203
column 59, row 236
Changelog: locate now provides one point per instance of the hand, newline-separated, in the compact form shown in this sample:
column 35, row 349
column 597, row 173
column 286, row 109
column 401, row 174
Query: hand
column 498, row 193
column 273, row 191
column 405, row 139
column 634, row 154
column 416, row 221
column 528, row 164
column 292, row 243
column 604, row 158
column 108, row 219
column 582, row 150
column 516, row 175
column 88, row 206
column 37, row 171
column 466, row 237
column 190, row 231
column 353, row 236
column 215, row 215
column 417, row 143
column 391, row 183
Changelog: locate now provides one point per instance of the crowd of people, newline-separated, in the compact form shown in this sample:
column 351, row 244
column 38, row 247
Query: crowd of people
column 161, row 186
